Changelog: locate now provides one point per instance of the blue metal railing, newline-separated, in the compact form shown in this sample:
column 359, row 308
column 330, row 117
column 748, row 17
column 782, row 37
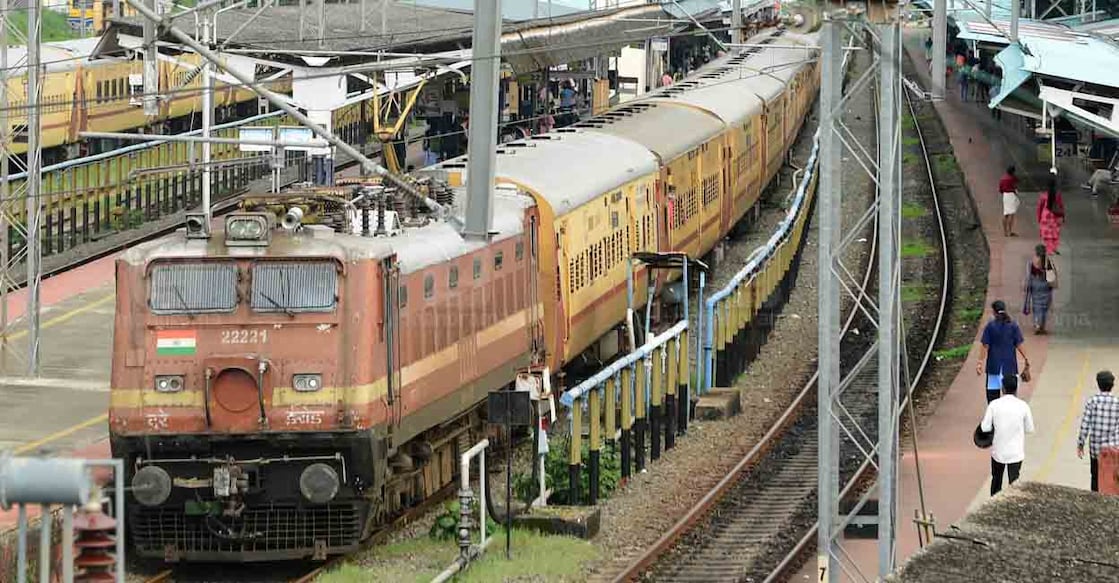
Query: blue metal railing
column 753, row 267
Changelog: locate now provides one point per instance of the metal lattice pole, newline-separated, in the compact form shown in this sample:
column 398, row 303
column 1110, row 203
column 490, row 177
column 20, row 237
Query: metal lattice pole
column 829, row 220
column 34, row 181
column 879, row 369
column 207, row 116
column 889, row 289
column 5, row 148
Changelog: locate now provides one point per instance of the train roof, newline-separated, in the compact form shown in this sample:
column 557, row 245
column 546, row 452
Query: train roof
column 567, row 167
column 734, row 86
column 667, row 130
column 415, row 248
column 571, row 166
column 60, row 55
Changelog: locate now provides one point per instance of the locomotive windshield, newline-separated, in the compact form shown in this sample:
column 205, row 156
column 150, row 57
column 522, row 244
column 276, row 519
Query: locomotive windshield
column 296, row 286
column 193, row 288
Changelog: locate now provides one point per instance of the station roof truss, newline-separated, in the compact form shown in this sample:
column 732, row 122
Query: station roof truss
column 440, row 34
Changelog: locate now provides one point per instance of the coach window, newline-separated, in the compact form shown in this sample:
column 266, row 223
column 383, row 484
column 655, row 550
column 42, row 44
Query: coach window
column 477, row 268
column 498, row 259
column 452, row 279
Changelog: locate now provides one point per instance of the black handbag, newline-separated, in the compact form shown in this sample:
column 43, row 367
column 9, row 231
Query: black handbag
column 983, row 439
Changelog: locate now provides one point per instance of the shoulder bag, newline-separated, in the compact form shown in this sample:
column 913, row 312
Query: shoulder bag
column 1051, row 274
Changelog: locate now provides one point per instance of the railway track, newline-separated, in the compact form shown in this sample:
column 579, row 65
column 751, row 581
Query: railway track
column 734, row 529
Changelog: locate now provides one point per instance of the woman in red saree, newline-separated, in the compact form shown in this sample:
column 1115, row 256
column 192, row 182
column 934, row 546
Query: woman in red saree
column 1051, row 216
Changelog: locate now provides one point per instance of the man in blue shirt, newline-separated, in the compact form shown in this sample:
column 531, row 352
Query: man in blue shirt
column 1002, row 338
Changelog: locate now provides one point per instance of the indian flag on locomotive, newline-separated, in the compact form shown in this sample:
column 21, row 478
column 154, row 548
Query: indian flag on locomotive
column 175, row 342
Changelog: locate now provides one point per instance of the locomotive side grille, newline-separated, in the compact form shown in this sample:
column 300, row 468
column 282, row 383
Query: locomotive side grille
column 268, row 529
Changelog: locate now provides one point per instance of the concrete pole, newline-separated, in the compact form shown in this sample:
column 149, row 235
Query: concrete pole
column 34, row 181
column 302, row 18
column 1015, row 15
column 5, row 147
column 207, row 117
column 736, row 21
column 362, row 28
column 829, row 217
column 151, row 68
column 482, row 138
column 939, row 48
column 987, row 8
column 889, row 195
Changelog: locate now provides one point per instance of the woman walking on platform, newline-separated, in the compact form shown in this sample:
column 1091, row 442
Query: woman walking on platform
column 1051, row 216
column 998, row 354
column 1041, row 278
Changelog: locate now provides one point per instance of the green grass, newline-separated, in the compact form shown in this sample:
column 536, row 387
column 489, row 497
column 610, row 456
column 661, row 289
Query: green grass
column 55, row 27
column 536, row 557
column 911, row 140
column 911, row 210
column 970, row 315
column 907, row 122
column 953, row 353
column 945, row 164
column 908, row 158
column 915, row 248
column 913, row 292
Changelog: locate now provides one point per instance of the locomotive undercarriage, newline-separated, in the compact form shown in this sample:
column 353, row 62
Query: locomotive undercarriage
column 279, row 496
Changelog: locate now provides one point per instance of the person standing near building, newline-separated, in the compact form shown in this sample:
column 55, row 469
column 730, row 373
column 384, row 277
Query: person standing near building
column 1051, row 216
column 998, row 354
column 1010, row 418
column 1008, row 190
column 1099, row 424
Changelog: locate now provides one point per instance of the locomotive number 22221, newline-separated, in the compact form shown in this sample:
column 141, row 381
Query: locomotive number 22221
column 244, row 336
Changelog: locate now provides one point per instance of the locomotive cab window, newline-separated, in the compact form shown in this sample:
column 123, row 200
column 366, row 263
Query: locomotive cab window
column 452, row 278
column 498, row 259
column 193, row 288
column 295, row 286
column 477, row 268
column 429, row 286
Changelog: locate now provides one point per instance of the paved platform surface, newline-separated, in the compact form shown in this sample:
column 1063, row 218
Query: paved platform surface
column 1083, row 320
column 65, row 407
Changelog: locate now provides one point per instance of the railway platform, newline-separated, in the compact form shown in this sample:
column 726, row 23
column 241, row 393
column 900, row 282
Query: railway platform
column 1083, row 319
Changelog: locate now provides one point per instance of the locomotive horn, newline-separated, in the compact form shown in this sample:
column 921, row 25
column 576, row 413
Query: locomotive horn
column 293, row 219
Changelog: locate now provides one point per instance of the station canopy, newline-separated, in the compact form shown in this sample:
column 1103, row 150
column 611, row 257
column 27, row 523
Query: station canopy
column 1073, row 72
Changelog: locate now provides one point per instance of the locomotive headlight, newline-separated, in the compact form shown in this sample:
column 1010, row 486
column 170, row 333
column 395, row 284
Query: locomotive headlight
column 169, row 383
column 306, row 383
column 319, row 483
column 247, row 229
column 151, row 485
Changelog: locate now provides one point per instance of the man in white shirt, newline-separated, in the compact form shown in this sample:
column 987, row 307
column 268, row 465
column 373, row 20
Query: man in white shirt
column 1010, row 418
